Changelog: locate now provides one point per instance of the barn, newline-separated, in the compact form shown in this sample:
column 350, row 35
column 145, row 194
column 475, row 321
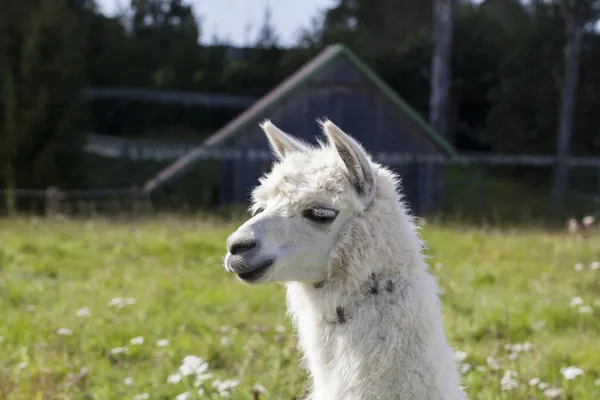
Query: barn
column 338, row 85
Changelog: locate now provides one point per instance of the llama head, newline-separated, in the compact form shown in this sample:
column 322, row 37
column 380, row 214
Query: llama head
column 313, row 199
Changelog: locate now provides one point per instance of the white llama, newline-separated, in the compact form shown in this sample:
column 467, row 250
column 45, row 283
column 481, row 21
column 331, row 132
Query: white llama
column 330, row 223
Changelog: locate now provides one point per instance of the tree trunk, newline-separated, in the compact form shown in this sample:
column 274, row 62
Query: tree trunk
column 443, row 21
column 571, row 52
column 440, row 65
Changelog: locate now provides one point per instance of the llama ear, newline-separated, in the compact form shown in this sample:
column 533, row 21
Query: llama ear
column 354, row 157
column 281, row 143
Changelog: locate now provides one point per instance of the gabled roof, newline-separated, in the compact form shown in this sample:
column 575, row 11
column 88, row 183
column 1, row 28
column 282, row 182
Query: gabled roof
column 257, row 111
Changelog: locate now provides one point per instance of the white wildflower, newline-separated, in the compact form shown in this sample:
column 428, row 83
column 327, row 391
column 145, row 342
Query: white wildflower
column 173, row 379
column 224, row 329
column 534, row 381
column 538, row 325
column 184, row 396
column 588, row 221
column 595, row 265
column 225, row 341
column 513, row 356
column 137, row 340
column 258, row 388
column 576, row 301
column 492, row 363
column 459, row 355
column 84, row 312
column 571, row 372
column 224, row 387
column 192, row 365
column 578, row 267
column 162, row 343
column 201, row 378
column 64, row 332
column 572, row 225
column 22, row 365
column 527, row 346
column 119, row 350
column 553, row 393
column 142, row 396
column 120, row 302
column 128, row 381
column 509, row 380
column 585, row 309
column 543, row 385
column 464, row 368
column 280, row 328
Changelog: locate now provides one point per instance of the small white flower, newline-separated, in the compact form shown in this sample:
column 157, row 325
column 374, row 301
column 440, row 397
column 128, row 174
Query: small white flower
column 597, row 382
column 259, row 388
column 513, row 356
column 280, row 328
column 509, row 380
column 527, row 346
column 173, row 379
column 459, row 355
column 192, row 365
column 588, row 221
column 22, row 365
column 595, row 265
column 572, row 225
column 119, row 350
column 538, row 325
column 128, row 381
column 201, row 378
column 576, row 301
column 571, row 372
column 225, row 341
column 553, row 393
column 585, row 309
column 142, row 396
column 84, row 312
column 534, row 381
column 224, row 329
column 543, row 385
column 137, row 340
column 184, row 396
column 120, row 302
column 162, row 343
column 480, row 368
column 64, row 332
column 492, row 363
column 578, row 267
column 464, row 368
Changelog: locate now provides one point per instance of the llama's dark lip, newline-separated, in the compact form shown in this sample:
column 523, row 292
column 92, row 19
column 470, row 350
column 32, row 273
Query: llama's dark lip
column 256, row 273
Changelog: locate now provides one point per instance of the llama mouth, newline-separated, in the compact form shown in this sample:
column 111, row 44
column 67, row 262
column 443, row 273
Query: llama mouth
column 256, row 273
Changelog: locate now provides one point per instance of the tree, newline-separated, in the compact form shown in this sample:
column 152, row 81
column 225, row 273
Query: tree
column 577, row 14
column 440, row 64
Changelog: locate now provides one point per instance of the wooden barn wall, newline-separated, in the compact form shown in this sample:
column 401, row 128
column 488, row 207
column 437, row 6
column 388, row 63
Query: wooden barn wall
column 345, row 96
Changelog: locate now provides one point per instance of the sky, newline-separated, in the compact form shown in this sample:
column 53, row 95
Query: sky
column 229, row 18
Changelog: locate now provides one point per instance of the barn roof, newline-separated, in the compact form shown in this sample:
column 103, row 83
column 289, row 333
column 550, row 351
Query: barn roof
column 257, row 111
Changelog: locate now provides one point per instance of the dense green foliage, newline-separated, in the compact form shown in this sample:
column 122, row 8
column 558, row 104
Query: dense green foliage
column 506, row 73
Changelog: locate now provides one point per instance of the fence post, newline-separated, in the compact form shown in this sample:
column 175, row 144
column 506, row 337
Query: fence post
column 53, row 200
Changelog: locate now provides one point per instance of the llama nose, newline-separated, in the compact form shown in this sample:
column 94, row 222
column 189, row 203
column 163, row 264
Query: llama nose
column 241, row 246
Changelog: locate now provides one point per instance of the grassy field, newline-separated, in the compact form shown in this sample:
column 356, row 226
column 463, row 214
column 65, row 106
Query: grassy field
column 105, row 310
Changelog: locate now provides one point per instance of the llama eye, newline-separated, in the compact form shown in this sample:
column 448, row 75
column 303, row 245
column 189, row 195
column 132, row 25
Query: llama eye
column 258, row 210
column 320, row 215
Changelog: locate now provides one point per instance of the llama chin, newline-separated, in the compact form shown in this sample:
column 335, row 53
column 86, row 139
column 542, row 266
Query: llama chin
column 331, row 224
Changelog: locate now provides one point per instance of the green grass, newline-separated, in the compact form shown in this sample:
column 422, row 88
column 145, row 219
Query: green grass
column 500, row 288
